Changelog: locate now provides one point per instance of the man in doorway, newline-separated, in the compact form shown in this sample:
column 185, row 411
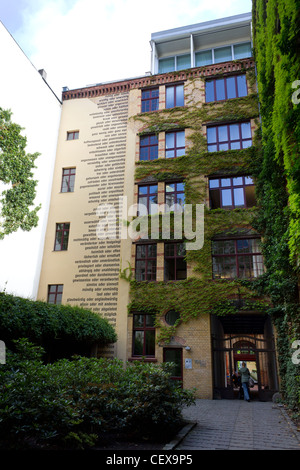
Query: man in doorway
column 245, row 376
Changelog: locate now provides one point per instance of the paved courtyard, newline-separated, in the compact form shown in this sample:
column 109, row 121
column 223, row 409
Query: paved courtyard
column 239, row 425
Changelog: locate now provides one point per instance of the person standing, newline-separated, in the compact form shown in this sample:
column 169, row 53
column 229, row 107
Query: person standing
column 245, row 376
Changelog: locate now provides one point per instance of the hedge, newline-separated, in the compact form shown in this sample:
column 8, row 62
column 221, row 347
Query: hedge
column 43, row 323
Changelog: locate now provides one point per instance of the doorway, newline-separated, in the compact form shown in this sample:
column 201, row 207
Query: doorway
column 174, row 355
column 240, row 339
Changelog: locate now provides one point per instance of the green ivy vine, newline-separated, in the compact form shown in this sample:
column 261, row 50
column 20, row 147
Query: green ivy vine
column 197, row 294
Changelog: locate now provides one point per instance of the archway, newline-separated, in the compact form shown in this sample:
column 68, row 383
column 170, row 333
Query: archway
column 247, row 338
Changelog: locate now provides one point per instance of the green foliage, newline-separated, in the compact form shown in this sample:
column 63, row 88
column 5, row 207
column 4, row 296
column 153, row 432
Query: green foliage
column 43, row 323
column 199, row 294
column 276, row 28
column 72, row 403
column 16, row 171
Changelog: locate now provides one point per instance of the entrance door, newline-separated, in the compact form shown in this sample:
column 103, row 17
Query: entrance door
column 256, row 349
column 174, row 355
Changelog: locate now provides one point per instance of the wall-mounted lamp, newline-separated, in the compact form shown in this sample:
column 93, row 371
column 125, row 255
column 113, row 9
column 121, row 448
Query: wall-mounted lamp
column 187, row 348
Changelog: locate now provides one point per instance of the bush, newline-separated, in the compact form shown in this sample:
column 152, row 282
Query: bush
column 73, row 402
column 52, row 325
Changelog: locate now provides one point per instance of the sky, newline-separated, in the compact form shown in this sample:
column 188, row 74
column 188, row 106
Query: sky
column 84, row 42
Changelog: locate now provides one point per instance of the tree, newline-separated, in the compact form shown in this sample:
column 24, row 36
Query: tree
column 19, row 188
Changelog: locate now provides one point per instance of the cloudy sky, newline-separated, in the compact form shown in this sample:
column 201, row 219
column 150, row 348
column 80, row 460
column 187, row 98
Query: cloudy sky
column 83, row 42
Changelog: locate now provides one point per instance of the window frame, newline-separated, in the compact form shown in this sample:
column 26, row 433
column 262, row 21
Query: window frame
column 148, row 195
column 175, row 257
column 174, row 99
column 176, row 192
column 147, row 258
column 231, row 45
column 149, row 146
column 65, row 228
column 230, row 187
column 66, row 178
column 72, row 135
column 236, row 255
column 151, row 100
column 175, row 57
column 224, row 79
column 145, row 328
column 58, row 291
column 229, row 141
column 176, row 147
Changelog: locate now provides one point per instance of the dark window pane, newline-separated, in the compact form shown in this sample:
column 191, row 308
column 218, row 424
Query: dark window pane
column 171, row 317
column 174, row 356
column 215, row 198
column 250, row 196
column 150, row 343
column 138, row 343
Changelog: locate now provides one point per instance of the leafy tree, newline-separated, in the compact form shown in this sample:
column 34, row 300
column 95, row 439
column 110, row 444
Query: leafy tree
column 16, row 167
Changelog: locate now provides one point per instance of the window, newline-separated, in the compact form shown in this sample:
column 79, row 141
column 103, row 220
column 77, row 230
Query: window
column 68, row 180
column 174, row 194
column 61, row 237
column 229, row 137
column 175, row 144
column 231, row 192
column 145, row 262
column 170, row 64
column 150, row 100
column 72, row 135
column 223, row 54
column 171, row 317
column 174, row 96
column 175, row 263
column 147, row 195
column 237, row 258
column 143, row 335
column 225, row 88
column 55, row 292
column 203, row 58
column 148, row 147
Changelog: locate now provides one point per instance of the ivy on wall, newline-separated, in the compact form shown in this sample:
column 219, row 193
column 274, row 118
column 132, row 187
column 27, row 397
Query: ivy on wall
column 276, row 28
column 198, row 294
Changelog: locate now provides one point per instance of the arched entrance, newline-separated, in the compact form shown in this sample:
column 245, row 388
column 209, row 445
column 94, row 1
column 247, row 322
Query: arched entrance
column 239, row 338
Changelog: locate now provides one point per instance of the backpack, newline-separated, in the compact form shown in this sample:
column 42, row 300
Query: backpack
column 251, row 382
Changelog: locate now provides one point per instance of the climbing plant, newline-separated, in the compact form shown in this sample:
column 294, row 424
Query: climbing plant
column 198, row 293
column 276, row 28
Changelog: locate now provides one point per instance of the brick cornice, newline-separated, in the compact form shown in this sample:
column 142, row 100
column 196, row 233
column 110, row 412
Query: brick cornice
column 159, row 79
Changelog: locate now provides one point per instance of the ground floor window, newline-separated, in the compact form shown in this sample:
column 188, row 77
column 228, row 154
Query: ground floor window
column 143, row 335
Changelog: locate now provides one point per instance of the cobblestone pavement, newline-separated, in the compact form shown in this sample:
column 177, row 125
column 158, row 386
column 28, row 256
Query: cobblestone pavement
column 239, row 425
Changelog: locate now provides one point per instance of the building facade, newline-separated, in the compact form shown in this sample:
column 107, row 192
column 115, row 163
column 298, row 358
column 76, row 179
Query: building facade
column 153, row 197
column 25, row 91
